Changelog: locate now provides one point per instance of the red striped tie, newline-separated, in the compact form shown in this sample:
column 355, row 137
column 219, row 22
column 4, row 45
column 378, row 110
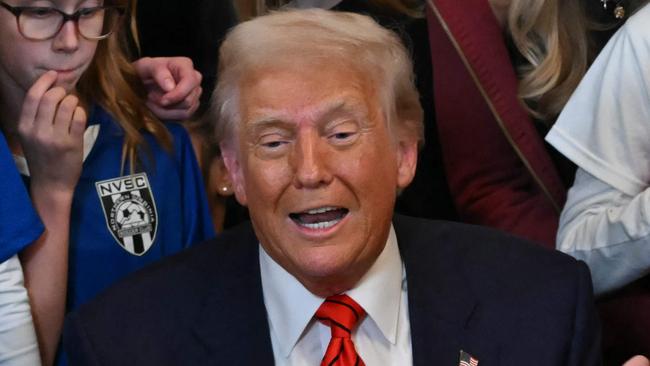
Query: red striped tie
column 342, row 315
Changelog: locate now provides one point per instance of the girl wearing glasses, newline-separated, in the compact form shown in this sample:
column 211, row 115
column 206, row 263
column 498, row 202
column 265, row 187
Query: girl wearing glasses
column 113, row 186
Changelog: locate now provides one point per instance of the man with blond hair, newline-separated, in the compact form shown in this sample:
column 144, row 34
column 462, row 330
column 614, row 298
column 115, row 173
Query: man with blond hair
column 319, row 126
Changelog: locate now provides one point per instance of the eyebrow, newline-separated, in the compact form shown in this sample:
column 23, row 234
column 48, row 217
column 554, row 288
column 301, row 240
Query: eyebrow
column 337, row 106
column 54, row 3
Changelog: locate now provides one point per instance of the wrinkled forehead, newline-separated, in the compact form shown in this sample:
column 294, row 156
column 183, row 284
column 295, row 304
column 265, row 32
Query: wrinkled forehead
column 307, row 91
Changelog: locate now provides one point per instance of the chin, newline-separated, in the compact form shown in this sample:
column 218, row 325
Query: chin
column 328, row 265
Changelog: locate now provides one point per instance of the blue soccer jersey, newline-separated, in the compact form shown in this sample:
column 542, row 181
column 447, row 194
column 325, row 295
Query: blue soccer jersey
column 19, row 223
column 123, row 220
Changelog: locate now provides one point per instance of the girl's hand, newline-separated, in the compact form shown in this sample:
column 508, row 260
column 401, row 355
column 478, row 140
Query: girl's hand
column 637, row 361
column 173, row 86
column 51, row 128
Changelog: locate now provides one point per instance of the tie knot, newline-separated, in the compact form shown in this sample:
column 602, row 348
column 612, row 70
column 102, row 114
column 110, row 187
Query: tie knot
column 341, row 314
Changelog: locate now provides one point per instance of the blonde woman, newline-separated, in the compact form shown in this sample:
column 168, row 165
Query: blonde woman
column 502, row 70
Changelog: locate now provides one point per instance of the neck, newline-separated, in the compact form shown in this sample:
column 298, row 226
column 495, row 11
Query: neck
column 329, row 287
column 341, row 282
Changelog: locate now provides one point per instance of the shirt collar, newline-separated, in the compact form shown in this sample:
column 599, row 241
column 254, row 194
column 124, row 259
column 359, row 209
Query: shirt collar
column 291, row 306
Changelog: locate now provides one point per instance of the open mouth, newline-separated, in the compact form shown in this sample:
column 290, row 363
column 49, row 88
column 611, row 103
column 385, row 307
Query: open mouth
column 319, row 218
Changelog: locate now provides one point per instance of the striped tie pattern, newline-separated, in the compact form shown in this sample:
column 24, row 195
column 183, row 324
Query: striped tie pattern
column 341, row 314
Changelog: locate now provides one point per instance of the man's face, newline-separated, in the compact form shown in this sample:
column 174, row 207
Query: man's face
column 319, row 170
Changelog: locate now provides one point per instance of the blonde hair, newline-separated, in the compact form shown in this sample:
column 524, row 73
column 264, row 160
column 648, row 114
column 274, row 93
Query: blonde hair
column 112, row 82
column 552, row 35
column 284, row 38
column 412, row 8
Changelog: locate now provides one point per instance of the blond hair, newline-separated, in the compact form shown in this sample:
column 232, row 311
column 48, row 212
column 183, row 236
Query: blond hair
column 552, row 35
column 284, row 38
column 112, row 83
column 412, row 8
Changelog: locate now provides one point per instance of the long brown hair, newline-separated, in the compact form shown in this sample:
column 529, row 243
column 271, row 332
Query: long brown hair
column 111, row 82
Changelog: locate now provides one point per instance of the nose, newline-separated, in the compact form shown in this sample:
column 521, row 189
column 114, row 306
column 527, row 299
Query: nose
column 67, row 40
column 310, row 162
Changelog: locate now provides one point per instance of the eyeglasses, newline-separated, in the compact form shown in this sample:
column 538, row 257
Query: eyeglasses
column 40, row 23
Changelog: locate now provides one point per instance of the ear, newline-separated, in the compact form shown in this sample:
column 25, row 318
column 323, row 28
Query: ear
column 235, row 173
column 407, row 158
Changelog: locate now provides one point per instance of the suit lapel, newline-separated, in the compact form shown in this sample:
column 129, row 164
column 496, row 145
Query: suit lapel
column 444, row 313
column 232, row 327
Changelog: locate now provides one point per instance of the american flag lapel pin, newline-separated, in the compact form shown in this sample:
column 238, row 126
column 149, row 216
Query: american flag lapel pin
column 467, row 360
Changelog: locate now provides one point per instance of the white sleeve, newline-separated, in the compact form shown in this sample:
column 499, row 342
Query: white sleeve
column 605, row 126
column 605, row 130
column 608, row 229
column 18, row 343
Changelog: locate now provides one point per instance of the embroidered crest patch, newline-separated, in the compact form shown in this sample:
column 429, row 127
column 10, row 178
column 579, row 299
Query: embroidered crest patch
column 130, row 211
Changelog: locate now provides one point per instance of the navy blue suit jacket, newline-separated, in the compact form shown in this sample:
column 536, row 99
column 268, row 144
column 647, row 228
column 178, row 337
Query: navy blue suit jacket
column 504, row 301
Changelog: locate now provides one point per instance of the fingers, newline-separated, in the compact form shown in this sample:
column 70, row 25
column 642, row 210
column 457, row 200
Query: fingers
column 33, row 99
column 173, row 86
column 155, row 73
column 70, row 120
column 170, row 74
column 637, row 361
column 179, row 111
column 164, row 78
column 45, row 115
column 78, row 123
column 172, row 113
column 48, row 113
column 145, row 67
column 51, row 135
column 188, row 81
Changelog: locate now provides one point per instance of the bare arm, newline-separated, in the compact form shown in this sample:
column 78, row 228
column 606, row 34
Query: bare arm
column 51, row 133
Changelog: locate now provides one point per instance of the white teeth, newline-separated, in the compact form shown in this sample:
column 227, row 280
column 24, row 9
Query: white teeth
column 320, row 225
column 320, row 210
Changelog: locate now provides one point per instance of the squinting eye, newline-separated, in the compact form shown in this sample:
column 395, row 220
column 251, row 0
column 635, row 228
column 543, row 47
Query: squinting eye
column 40, row 12
column 88, row 12
column 342, row 135
column 343, row 138
column 273, row 144
column 272, row 141
column 271, row 147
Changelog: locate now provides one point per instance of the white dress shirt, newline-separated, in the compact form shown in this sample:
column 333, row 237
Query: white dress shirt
column 382, row 338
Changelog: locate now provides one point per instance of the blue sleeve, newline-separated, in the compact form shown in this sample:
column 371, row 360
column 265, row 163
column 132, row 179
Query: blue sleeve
column 197, row 222
column 19, row 222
